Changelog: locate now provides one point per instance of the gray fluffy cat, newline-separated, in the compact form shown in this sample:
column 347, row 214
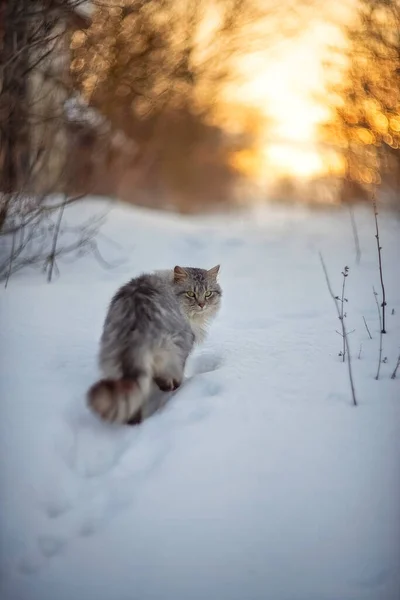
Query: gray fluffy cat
column 150, row 329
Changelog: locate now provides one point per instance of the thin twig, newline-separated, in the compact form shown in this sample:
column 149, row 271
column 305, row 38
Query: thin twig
column 42, row 208
column 383, row 325
column 380, row 335
column 334, row 298
column 52, row 255
column 348, row 333
column 355, row 235
column 359, row 354
column 393, row 376
column 344, row 273
column 367, row 328
column 11, row 259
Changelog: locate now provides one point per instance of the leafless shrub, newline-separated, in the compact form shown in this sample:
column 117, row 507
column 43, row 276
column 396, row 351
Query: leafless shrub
column 35, row 147
column 44, row 242
column 339, row 310
column 343, row 315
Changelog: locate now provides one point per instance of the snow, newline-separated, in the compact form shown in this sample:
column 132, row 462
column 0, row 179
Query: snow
column 77, row 110
column 259, row 480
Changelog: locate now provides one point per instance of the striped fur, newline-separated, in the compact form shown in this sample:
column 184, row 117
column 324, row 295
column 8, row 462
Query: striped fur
column 149, row 331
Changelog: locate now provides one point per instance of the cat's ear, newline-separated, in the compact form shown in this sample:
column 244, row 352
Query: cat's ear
column 179, row 274
column 213, row 272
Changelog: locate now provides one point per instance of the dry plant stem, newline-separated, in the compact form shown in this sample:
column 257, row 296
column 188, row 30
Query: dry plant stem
column 52, row 256
column 359, row 354
column 380, row 335
column 355, row 235
column 328, row 283
column 12, row 254
column 383, row 326
column 393, row 376
column 342, row 319
column 367, row 328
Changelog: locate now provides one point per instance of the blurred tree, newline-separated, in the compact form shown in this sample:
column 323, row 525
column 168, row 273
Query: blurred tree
column 35, row 182
column 365, row 125
column 159, row 70
column 137, row 55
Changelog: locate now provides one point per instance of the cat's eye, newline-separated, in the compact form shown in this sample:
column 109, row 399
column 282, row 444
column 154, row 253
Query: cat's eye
column 190, row 294
column 208, row 294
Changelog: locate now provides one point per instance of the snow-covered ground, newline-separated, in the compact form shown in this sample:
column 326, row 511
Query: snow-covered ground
column 259, row 480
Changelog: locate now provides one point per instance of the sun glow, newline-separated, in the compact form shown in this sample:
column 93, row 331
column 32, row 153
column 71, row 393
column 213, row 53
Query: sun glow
column 286, row 159
column 287, row 87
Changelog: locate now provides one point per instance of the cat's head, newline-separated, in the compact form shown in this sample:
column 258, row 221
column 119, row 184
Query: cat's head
column 198, row 290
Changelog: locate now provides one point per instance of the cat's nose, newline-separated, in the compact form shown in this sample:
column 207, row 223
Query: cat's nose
column 201, row 304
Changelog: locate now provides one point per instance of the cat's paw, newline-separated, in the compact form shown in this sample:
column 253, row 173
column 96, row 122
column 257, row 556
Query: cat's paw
column 167, row 385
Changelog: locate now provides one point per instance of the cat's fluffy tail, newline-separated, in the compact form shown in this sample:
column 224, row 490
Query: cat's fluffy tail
column 119, row 400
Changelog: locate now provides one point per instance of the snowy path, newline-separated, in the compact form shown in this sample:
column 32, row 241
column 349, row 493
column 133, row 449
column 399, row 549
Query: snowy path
column 258, row 480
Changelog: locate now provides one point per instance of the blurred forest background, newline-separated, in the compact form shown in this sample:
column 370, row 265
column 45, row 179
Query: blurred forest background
column 194, row 105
